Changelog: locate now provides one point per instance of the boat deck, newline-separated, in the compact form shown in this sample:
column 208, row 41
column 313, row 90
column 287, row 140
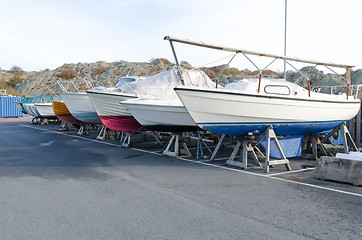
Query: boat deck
column 58, row 185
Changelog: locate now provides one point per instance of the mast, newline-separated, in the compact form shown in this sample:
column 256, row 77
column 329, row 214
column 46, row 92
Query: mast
column 285, row 40
column 177, row 63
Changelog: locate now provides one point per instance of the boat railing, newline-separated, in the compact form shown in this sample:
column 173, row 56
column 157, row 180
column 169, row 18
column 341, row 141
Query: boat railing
column 355, row 90
column 78, row 85
column 125, row 82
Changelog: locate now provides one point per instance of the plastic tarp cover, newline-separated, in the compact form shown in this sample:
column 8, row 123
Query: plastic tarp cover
column 41, row 98
column 291, row 146
column 161, row 85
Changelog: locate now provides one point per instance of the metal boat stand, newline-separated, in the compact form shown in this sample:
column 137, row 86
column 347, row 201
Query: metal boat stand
column 348, row 143
column 125, row 139
column 64, row 127
column 105, row 134
column 84, row 130
column 247, row 146
column 177, row 146
column 200, row 144
column 152, row 134
column 216, row 150
column 319, row 139
column 314, row 144
column 44, row 121
column 36, row 120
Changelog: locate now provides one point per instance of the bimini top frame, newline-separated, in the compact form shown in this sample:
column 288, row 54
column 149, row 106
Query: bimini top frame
column 247, row 52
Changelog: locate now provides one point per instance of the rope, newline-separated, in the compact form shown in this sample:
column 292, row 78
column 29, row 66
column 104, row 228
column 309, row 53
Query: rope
column 195, row 68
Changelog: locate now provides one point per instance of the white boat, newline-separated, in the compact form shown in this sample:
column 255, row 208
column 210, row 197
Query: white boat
column 45, row 110
column 239, row 109
column 31, row 110
column 161, row 115
column 158, row 107
column 250, row 106
column 81, row 107
column 18, row 105
column 112, row 114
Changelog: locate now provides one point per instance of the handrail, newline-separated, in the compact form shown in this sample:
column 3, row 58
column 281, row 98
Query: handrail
column 89, row 83
column 355, row 88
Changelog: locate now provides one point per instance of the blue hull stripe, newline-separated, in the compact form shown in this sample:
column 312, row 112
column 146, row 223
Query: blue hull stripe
column 280, row 128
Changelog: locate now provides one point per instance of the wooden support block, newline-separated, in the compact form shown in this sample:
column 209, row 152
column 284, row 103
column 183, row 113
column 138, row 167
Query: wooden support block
column 212, row 158
column 173, row 147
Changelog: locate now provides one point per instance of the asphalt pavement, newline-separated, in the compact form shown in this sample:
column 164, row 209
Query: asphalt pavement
column 56, row 185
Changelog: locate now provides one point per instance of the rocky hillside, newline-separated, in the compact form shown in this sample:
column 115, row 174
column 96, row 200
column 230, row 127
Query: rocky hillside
column 45, row 82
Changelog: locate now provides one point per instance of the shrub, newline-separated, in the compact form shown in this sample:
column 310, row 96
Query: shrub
column 233, row 71
column 17, row 70
column 99, row 70
column 67, row 74
column 211, row 74
column 3, row 83
column 15, row 79
column 17, row 73
column 165, row 61
column 185, row 64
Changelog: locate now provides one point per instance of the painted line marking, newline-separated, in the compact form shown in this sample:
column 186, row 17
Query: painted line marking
column 220, row 159
column 290, row 172
column 46, row 144
column 207, row 164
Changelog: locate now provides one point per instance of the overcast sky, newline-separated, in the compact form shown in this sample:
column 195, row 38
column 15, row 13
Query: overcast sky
column 40, row 34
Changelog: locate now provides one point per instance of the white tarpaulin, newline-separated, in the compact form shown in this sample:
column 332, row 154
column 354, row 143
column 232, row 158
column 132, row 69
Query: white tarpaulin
column 162, row 84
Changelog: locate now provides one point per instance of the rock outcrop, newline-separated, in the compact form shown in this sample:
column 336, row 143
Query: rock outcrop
column 46, row 81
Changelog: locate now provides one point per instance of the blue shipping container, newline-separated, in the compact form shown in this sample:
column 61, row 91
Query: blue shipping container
column 8, row 107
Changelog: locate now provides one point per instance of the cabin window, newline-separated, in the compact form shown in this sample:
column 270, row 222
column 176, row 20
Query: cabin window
column 277, row 89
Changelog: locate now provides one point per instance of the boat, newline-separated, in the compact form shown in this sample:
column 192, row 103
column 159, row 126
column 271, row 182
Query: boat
column 32, row 100
column 158, row 108
column 77, row 100
column 19, row 106
column 31, row 110
column 112, row 114
column 62, row 112
column 240, row 110
column 45, row 110
column 250, row 106
column 160, row 115
column 80, row 107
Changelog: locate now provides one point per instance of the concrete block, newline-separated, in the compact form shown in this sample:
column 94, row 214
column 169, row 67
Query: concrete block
column 340, row 169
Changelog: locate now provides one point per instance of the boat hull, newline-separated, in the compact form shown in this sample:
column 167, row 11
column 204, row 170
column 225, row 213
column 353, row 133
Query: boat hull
column 237, row 114
column 31, row 110
column 62, row 112
column 113, row 114
column 166, row 118
column 20, row 107
column 45, row 110
column 81, row 107
column 122, row 123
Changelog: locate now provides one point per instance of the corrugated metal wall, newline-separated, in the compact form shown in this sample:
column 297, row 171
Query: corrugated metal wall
column 8, row 108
